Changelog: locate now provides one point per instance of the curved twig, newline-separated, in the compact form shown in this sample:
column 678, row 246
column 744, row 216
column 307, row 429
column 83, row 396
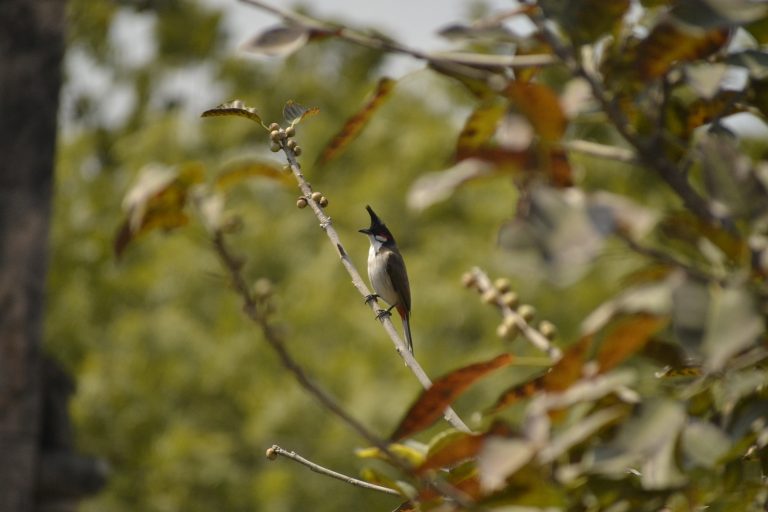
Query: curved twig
column 276, row 450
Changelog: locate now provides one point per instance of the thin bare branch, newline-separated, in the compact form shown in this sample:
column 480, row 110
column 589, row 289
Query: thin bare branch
column 458, row 62
column 276, row 450
column 260, row 317
column 483, row 284
column 601, row 150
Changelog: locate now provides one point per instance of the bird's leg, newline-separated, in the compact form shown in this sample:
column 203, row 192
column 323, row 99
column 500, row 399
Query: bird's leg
column 371, row 297
column 383, row 313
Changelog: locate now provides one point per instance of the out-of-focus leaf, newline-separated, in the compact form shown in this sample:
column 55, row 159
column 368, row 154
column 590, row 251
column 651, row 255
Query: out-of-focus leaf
column 683, row 229
column 438, row 186
column 494, row 33
column 729, row 178
column 234, row 108
column 236, row 172
column 704, row 443
column 157, row 201
column 755, row 61
column 541, row 106
column 670, row 42
column 480, row 88
column 719, row 13
column 280, row 40
column 705, row 78
column 357, row 122
column 413, row 455
column 625, row 336
column 294, row 113
column 586, row 20
column 463, row 478
column 375, row 477
column 759, row 30
column 647, row 444
column 459, row 447
column 564, row 373
column 501, row 457
column 568, row 229
column 733, row 324
column 433, row 401
column 579, row 432
column 479, row 128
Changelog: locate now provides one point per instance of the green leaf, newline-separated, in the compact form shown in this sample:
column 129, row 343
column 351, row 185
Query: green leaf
column 234, row 108
column 704, row 443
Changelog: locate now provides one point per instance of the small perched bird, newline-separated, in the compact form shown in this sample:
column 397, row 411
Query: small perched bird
column 386, row 270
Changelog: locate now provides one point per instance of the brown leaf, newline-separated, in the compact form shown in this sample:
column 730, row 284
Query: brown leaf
column 564, row 373
column 626, row 335
column 670, row 42
column 157, row 201
column 541, row 106
column 433, row 401
column 478, row 129
column 357, row 122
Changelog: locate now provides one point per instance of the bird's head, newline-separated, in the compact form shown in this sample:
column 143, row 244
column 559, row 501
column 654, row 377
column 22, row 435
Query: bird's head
column 378, row 232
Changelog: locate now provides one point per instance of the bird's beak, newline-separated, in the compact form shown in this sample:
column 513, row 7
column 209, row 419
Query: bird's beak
column 364, row 231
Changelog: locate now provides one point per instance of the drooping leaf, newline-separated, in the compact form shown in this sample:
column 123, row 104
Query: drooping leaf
column 670, row 42
column 236, row 172
column 479, row 128
column 579, row 432
column 281, row 40
column 433, row 401
column 294, row 113
column 234, row 108
column 541, row 106
column 357, row 122
column 625, row 336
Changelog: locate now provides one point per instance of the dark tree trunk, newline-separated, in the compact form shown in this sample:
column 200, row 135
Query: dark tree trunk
column 31, row 50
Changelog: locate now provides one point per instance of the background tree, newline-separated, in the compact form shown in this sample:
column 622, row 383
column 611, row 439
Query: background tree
column 596, row 168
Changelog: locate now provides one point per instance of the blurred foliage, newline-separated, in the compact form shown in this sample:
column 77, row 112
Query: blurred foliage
column 659, row 400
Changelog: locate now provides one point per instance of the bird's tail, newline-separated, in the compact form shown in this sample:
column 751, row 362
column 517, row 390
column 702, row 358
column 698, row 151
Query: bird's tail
column 407, row 331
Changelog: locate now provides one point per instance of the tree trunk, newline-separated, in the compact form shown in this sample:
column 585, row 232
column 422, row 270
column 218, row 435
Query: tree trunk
column 31, row 49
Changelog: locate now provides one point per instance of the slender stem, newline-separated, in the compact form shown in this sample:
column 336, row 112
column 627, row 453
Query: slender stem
column 538, row 340
column 275, row 449
column 259, row 316
column 325, row 223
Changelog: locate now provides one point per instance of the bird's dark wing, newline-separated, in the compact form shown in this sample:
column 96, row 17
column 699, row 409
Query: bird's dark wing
column 399, row 278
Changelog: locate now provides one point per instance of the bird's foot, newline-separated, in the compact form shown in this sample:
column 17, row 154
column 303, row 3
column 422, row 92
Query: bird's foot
column 383, row 313
column 370, row 298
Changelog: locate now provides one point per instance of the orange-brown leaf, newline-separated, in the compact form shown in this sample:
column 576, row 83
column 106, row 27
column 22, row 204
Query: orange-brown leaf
column 626, row 335
column 357, row 122
column 238, row 171
column 564, row 373
column 433, row 401
column 479, row 128
column 541, row 106
column 463, row 447
column 670, row 42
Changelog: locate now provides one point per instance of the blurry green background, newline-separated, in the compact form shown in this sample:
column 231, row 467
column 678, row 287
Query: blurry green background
column 175, row 388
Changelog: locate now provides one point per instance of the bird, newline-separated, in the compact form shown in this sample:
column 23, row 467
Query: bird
column 386, row 271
